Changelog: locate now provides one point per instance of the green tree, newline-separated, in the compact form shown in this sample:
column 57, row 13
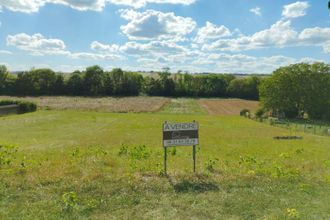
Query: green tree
column 75, row 84
column 94, row 81
column 298, row 89
column 246, row 88
column 3, row 78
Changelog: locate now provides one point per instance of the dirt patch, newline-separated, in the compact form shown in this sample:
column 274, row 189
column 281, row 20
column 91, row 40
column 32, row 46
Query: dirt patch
column 105, row 104
column 228, row 106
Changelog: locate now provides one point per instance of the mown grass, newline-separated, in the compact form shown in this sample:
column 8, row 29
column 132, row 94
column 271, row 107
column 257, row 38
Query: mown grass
column 74, row 165
column 183, row 106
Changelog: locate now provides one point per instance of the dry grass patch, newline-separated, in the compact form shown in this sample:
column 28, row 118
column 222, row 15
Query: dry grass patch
column 228, row 106
column 105, row 104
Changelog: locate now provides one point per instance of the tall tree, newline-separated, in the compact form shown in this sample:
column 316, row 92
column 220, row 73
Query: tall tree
column 94, row 81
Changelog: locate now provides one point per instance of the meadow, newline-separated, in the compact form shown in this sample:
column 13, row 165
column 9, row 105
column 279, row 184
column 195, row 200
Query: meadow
column 76, row 164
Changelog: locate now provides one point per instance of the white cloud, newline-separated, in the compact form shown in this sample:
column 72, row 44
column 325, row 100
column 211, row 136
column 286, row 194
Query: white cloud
column 295, row 10
column 31, row 6
column 326, row 47
column 221, row 63
column 94, row 56
column 241, row 63
column 97, row 46
column 315, row 35
column 211, row 31
column 142, row 3
column 5, row 52
column 279, row 34
column 256, row 11
column 81, row 5
column 26, row 6
column 37, row 44
column 155, row 25
column 153, row 48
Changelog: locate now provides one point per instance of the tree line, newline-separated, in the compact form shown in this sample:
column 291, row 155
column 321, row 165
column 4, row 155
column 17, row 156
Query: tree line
column 94, row 81
column 297, row 91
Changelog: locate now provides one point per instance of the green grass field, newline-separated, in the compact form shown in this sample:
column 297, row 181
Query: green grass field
column 94, row 165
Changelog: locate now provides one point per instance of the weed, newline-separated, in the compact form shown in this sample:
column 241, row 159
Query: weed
column 284, row 155
column 92, row 204
column 139, row 152
column 292, row 213
column 123, row 151
column 210, row 164
column 76, row 153
column 7, row 154
column 173, row 151
column 287, row 173
column 160, row 170
column 326, row 163
column 252, row 163
column 307, row 188
column 70, row 200
column 300, row 151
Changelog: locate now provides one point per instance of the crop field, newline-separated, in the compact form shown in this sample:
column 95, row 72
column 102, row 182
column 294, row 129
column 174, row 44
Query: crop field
column 228, row 106
column 57, row 164
column 106, row 104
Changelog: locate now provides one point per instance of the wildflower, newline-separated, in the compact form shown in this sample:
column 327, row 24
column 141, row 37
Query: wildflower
column 293, row 213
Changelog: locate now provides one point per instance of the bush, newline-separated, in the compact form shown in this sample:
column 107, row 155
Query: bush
column 23, row 106
column 7, row 102
column 260, row 113
column 245, row 112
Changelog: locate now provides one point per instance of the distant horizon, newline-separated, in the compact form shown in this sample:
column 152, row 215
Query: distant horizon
column 199, row 36
column 142, row 71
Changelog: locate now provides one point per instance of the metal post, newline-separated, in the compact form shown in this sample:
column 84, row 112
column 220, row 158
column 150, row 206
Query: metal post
column 194, row 157
column 165, row 160
column 194, row 154
column 165, row 153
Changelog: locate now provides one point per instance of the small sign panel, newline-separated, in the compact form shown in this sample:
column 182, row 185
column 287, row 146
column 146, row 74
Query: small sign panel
column 180, row 134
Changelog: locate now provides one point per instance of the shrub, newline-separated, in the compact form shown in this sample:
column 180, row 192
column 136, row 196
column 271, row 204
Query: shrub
column 245, row 112
column 23, row 106
column 260, row 113
column 7, row 102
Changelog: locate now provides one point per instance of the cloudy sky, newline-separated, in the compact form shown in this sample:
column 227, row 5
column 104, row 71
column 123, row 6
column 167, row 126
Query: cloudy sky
column 237, row 36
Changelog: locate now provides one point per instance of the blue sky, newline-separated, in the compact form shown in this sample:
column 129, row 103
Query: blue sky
column 236, row 36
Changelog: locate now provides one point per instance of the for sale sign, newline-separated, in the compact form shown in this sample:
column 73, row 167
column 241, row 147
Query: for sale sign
column 180, row 134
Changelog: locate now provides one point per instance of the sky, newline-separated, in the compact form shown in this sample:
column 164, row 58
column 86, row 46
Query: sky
column 219, row 36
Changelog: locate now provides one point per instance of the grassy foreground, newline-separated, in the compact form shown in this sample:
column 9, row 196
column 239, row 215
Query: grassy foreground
column 74, row 165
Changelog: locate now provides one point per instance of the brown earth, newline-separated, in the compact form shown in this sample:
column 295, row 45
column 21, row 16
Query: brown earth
column 228, row 106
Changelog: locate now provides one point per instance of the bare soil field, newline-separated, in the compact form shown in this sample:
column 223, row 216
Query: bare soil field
column 104, row 104
column 228, row 106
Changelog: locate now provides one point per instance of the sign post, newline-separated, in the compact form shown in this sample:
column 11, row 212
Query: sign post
column 180, row 134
